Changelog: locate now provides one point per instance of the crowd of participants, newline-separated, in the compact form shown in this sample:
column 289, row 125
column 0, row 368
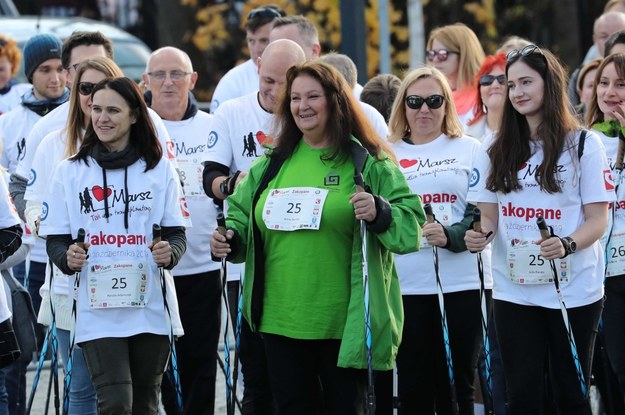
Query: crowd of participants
column 352, row 239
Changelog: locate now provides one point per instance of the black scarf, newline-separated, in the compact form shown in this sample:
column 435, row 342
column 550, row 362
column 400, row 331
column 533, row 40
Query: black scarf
column 114, row 160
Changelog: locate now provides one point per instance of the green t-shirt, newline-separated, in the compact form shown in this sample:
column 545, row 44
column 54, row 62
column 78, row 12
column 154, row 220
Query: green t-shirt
column 307, row 284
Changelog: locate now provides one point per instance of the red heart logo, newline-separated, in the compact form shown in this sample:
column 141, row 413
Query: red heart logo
column 98, row 193
column 407, row 163
column 524, row 165
column 263, row 140
column 171, row 154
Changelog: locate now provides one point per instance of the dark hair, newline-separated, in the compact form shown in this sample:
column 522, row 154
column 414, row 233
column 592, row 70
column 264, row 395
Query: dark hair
column 615, row 38
column 511, row 147
column 346, row 117
column 380, row 92
column 263, row 17
column 593, row 113
column 142, row 132
column 84, row 39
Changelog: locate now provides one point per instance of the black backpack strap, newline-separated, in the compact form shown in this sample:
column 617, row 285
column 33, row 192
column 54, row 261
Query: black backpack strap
column 580, row 146
column 359, row 157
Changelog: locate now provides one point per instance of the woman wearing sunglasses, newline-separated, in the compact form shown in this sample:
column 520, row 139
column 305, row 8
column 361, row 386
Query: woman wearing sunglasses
column 436, row 159
column 534, row 168
column 54, row 148
column 491, row 87
column 456, row 51
column 606, row 116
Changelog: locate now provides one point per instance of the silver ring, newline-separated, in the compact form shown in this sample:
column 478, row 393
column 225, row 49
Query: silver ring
column 74, row 254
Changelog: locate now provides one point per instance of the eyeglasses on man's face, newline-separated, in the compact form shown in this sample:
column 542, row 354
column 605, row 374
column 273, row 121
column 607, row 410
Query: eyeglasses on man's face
column 173, row 75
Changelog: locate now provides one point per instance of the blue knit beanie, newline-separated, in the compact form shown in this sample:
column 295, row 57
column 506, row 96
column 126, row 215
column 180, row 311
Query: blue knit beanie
column 39, row 49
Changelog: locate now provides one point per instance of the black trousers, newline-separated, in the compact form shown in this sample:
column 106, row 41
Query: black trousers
column 424, row 386
column 298, row 367
column 532, row 338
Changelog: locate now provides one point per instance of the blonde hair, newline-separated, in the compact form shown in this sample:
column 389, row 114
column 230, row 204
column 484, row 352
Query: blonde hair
column 462, row 40
column 76, row 118
column 398, row 124
column 511, row 43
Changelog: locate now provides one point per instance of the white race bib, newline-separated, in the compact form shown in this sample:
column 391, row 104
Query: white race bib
column 118, row 284
column 527, row 266
column 294, row 208
column 616, row 255
column 191, row 175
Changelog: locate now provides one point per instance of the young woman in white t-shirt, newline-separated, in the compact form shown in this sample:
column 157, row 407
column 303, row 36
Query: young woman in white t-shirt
column 533, row 168
column 606, row 116
column 116, row 187
column 437, row 160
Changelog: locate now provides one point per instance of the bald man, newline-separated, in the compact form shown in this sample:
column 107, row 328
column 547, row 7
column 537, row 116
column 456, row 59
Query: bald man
column 169, row 80
column 240, row 134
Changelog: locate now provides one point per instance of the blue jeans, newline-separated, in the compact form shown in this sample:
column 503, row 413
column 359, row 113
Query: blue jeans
column 4, row 396
column 82, row 397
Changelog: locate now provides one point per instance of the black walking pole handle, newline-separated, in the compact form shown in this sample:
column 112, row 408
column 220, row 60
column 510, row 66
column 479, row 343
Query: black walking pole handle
column 360, row 183
column 221, row 228
column 221, row 224
column 429, row 215
column 477, row 220
column 543, row 228
column 156, row 234
column 80, row 239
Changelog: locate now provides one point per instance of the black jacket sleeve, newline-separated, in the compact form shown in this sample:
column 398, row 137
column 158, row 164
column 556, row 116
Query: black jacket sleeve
column 56, row 247
column 455, row 233
column 211, row 171
column 177, row 239
column 10, row 241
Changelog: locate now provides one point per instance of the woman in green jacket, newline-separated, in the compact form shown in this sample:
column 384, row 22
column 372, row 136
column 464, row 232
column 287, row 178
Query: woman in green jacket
column 294, row 220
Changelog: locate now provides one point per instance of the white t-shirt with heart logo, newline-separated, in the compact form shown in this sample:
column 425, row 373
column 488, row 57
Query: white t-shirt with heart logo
column 440, row 173
column 76, row 200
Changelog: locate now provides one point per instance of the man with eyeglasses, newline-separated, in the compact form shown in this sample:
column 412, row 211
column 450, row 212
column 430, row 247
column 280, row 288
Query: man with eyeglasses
column 169, row 81
column 43, row 68
column 243, row 79
column 240, row 131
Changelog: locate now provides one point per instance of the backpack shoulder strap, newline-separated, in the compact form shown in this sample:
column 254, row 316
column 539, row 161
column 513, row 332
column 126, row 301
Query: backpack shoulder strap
column 580, row 146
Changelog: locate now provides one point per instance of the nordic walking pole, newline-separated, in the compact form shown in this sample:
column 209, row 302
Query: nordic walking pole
column 80, row 241
column 174, row 374
column 360, row 187
column 545, row 234
column 429, row 215
column 489, row 406
column 230, row 398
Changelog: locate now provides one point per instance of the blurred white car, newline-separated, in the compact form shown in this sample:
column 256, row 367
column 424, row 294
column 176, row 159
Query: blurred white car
column 131, row 54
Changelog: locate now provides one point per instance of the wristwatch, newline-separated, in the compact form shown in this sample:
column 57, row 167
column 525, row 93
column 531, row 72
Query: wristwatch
column 223, row 186
column 569, row 244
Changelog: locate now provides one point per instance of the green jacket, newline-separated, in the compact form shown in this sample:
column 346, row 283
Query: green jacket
column 401, row 233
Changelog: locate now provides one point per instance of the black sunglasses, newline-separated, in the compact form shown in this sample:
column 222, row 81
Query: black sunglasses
column 263, row 12
column 486, row 80
column 527, row 50
column 441, row 54
column 85, row 88
column 416, row 102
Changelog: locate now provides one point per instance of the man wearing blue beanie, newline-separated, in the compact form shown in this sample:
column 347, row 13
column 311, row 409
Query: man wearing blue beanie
column 43, row 68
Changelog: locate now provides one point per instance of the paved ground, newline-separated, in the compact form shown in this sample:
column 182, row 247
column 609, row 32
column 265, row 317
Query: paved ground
column 39, row 404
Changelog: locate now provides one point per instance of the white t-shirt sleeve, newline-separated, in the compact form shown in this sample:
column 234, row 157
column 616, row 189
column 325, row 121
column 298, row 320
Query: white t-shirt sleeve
column 55, row 215
column 42, row 169
column 479, row 174
column 592, row 176
column 219, row 148
column 8, row 214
